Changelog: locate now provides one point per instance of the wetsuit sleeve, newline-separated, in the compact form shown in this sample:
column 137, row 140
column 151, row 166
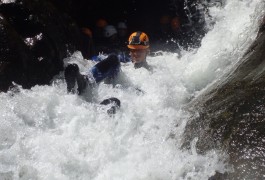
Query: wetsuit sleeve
column 107, row 68
column 99, row 57
column 123, row 57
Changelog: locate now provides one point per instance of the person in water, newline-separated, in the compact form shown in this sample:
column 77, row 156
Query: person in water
column 108, row 68
column 138, row 45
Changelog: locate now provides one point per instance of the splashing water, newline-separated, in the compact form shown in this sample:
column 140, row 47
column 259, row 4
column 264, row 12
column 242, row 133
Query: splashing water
column 46, row 133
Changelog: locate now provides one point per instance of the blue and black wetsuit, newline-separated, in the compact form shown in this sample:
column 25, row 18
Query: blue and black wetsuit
column 106, row 68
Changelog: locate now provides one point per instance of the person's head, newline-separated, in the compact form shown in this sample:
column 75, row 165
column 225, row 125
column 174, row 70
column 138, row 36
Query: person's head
column 122, row 29
column 98, row 32
column 110, row 32
column 138, row 45
column 101, row 23
column 87, row 32
column 175, row 24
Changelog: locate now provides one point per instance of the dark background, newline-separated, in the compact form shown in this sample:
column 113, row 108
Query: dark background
column 36, row 35
column 138, row 14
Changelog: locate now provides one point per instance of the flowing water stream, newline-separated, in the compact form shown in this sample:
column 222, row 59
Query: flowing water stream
column 48, row 134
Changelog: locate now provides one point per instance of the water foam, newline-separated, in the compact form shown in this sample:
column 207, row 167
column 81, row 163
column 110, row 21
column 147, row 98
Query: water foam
column 46, row 133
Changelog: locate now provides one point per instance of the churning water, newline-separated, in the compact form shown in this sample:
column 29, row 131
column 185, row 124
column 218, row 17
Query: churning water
column 48, row 134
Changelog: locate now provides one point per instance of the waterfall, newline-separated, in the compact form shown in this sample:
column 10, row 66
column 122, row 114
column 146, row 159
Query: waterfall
column 46, row 133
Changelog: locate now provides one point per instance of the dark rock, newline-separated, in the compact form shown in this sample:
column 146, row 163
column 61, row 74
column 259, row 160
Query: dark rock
column 231, row 116
column 35, row 37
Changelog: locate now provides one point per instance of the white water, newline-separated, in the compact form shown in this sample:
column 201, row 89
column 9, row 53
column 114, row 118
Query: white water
column 47, row 134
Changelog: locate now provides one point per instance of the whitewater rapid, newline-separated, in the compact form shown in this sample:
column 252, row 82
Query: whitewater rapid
column 48, row 134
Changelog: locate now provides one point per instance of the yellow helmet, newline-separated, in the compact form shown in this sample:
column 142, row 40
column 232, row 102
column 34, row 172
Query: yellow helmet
column 138, row 40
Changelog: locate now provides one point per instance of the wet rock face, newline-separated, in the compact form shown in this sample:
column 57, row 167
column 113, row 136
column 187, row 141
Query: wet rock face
column 13, row 55
column 231, row 117
column 34, row 39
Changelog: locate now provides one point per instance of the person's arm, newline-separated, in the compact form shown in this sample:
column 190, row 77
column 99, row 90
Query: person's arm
column 99, row 57
column 122, row 82
column 122, row 56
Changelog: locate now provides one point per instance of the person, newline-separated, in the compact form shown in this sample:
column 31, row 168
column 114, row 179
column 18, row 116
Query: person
column 170, row 35
column 138, row 45
column 110, row 42
column 108, row 68
column 122, row 32
column 176, row 34
column 164, row 28
column 98, row 31
column 87, row 43
column 111, row 45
